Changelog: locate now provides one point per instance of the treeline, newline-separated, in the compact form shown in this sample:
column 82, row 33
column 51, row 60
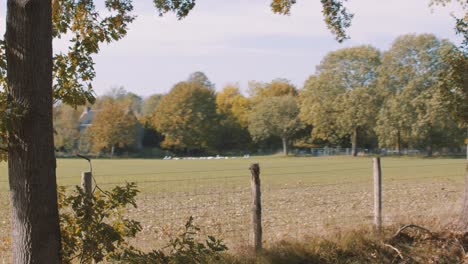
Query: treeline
column 413, row 95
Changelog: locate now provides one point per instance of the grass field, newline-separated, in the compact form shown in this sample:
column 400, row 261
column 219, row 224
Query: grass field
column 300, row 196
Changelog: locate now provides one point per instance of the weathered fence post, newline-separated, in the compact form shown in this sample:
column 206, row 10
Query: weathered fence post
column 377, row 194
column 256, row 206
column 87, row 183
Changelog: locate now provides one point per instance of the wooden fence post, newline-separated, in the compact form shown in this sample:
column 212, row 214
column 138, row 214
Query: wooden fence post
column 87, row 183
column 256, row 206
column 377, row 194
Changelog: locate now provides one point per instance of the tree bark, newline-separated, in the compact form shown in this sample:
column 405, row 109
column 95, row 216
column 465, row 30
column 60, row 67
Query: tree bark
column 285, row 145
column 31, row 160
column 354, row 142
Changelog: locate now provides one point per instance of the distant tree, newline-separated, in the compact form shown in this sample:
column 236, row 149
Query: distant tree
column 115, row 125
column 414, row 69
column 150, row 104
column 275, row 116
column 233, row 109
column 357, row 112
column 187, row 117
column 134, row 103
column 129, row 99
column 231, row 103
column 278, row 87
column 393, row 126
column 151, row 137
column 202, row 79
column 66, row 127
column 318, row 109
column 342, row 98
column 454, row 79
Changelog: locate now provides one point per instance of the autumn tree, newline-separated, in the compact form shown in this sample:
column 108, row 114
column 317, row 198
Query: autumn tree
column 151, row 137
column 233, row 110
column 187, row 117
column 114, row 126
column 129, row 99
column 66, row 127
column 277, row 87
column 231, row 103
column 201, row 79
column 341, row 99
column 275, row 116
column 150, row 104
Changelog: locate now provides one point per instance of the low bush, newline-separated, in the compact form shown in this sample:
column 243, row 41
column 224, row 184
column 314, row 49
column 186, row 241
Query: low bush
column 94, row 228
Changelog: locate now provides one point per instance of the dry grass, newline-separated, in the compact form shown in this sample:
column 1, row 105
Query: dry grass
column 360, row 246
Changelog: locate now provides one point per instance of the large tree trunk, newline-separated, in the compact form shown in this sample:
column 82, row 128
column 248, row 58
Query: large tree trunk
column 31, row 160
column 285, row 145
column 354, row 142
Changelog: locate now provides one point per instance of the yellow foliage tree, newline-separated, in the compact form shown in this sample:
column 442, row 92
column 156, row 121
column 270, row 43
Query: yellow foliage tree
column 114, row 126
column 233, row 105
column 187, row 117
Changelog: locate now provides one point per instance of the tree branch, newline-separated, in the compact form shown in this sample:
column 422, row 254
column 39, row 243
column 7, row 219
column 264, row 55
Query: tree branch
column 396, row 250
column 412, row 226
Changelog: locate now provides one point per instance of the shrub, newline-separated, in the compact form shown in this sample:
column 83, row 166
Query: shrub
column 94, row 228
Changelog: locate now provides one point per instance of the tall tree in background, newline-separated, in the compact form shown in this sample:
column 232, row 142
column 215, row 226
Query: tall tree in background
column 115, row 125
column 231, row 103
column 393, row 126
column 278, row 87
column 275, row 116
column 187, row 117
column 318, row 109
column 66, row 126
column 150, row 104
column 233, row 109
column 412, row 71
column 342, row 98
column 129, row 99
column 151, row 137
column 201, row 79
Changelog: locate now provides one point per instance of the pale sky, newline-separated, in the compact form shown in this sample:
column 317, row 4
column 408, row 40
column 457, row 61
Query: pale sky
column 238, row 41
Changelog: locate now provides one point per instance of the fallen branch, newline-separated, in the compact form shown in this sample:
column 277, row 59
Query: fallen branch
column 396, row 250
column 412, row 226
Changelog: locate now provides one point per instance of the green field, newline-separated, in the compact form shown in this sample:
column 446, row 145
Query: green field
column 300, row 195
column 274, row 170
